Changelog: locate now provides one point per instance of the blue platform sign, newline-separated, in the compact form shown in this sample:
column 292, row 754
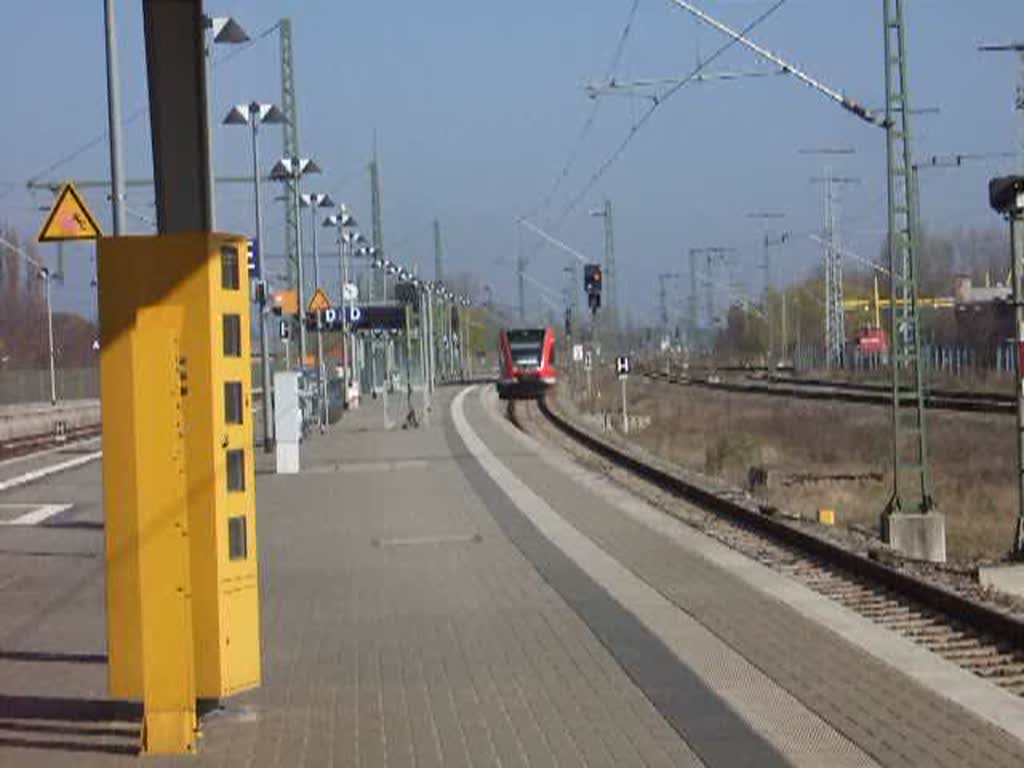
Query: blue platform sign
column 369, row 317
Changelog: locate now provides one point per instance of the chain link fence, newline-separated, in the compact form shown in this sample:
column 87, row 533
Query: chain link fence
column 33, row 385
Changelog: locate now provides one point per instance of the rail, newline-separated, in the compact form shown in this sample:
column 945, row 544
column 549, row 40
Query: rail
column 980, row 617
column 821, row 389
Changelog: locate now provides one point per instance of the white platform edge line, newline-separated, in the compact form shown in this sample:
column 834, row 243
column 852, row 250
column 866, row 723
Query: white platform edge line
column 39, row 474
column 943, row 678
column 38, row 515
column 660, row 616
column 48, row 451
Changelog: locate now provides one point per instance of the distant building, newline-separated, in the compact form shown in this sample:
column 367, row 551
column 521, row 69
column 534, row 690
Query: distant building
column 984, row 315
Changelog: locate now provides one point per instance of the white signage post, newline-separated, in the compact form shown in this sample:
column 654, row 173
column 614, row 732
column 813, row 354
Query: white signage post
column 588, row 363
column 622, row 366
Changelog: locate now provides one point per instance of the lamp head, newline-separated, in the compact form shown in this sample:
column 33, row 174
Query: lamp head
column 225, row 29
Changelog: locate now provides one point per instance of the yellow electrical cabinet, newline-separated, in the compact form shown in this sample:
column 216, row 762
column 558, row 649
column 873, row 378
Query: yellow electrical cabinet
column 204, row 275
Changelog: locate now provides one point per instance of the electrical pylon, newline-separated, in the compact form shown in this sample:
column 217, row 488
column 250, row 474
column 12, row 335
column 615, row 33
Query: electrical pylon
column 910, row 490
column 663, row 279
column 290, row 136
column 691, row 309
column 438, row 253
column 835, row 316
column 377, row 216
column 611, row 277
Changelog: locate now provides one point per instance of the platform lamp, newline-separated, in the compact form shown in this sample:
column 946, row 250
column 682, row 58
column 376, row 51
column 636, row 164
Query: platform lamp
column 216, row 30
column 314, row 200
column 370, row 254
column 293, row 169
column 254, row 115
column 343, row 221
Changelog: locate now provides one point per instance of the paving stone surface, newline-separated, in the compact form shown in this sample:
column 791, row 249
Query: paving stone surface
column 400, row 628
column 890, row 717
column 403, row 626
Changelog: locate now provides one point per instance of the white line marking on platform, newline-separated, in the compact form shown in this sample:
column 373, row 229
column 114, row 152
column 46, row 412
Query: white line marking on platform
column 39, row 474
column 770, row 710
column 367, row 466
column 455, row 539
column 38, row 514
column 944, row 678
column 48, row 451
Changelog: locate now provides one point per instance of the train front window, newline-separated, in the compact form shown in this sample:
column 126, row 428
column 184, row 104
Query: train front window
column 526, row 347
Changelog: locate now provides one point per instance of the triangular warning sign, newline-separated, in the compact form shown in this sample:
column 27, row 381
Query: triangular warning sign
column 319, row 302
column 69, row 219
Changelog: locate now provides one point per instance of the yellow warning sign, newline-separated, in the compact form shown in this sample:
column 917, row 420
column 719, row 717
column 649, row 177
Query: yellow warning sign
column 319, row 302
column 69, row 219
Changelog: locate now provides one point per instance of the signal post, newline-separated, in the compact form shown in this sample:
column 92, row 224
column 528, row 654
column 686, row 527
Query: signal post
column 1006, row 195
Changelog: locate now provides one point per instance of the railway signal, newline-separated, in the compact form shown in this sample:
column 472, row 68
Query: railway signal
column 593, row 279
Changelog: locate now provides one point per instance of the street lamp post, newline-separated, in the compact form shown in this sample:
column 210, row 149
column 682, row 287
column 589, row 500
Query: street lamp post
column 368, row 254
column 254, row 115
column 449, row 350
column 292, row 169
column 44, row 274
column 221, row 29
column 389, row 269
column 424, row 324
column 314, row 200
column 766, row 265
column 344, row 221
column 442, row 331
column 114, row 119
column 432, row 336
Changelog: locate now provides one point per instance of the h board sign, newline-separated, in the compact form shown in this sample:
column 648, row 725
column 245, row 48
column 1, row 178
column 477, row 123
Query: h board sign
column 622, row 365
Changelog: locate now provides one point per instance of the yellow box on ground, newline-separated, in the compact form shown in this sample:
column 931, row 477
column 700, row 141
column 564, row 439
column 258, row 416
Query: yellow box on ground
column 169, row 696
column 827, row 516
column 204, row 275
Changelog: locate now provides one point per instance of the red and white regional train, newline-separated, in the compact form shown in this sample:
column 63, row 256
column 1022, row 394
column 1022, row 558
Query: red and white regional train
column 527, row 357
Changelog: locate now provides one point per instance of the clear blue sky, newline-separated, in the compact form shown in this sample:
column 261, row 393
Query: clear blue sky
column 477, row 104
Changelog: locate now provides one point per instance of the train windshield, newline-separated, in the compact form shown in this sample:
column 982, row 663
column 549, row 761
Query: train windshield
column 526, row 347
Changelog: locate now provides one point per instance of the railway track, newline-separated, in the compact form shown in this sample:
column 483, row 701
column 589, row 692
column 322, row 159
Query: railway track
column 972, row 634
column 26, row 444
column 842, row 391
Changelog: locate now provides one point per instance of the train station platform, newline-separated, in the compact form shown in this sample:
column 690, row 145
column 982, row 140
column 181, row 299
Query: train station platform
column 460, row 595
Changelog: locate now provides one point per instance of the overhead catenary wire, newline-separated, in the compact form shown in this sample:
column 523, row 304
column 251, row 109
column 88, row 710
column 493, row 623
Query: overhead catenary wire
column 591, row 118
column 543, row 288
column 24, row 254
column 852, row 254
column 656, row 102
column 634, row 88
column 844, row 101
column 737, row 296
column 239, row 49
column 134, row 115
column 141, row 216
column 553, row 240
